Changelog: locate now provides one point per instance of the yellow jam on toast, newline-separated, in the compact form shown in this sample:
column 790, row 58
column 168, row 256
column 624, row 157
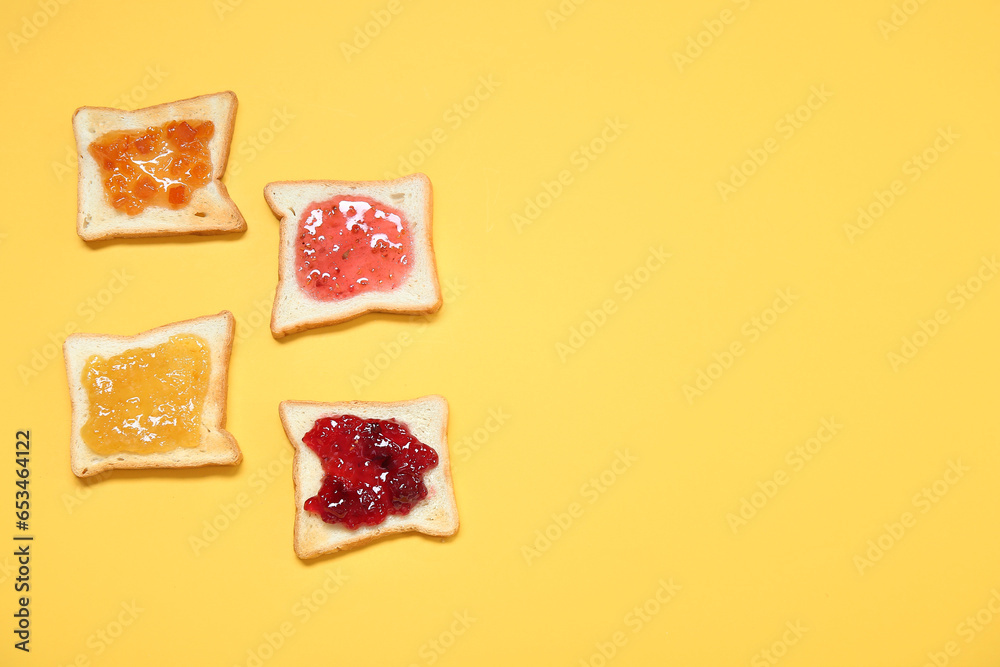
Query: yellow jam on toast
column 147, row 400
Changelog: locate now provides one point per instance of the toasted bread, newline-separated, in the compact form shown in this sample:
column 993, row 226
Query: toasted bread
column 436, row 515
column 217, row 446
column 294, row 310
column 210, row 210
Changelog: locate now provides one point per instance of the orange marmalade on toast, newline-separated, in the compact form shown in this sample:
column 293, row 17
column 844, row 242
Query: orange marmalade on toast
column 158, row 166
column 147, row 400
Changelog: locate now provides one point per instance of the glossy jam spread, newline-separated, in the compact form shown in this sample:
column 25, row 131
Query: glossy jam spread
column 373, row 467
column 351, row 244
column 158, row 166
column 147, row 400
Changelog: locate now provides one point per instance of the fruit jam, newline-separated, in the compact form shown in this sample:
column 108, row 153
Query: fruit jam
column 147, row 400
column 158, row 166
column 374, row 468
column 351, row 244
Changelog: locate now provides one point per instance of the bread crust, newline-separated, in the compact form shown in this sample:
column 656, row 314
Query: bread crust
column 312, row 313
column 98, row 221
column 218, row 446
column 436, row 515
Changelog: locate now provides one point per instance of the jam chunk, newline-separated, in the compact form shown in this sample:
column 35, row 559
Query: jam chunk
column 373, row 468
column 147, row 400
column 158, row 166
column 351, row 244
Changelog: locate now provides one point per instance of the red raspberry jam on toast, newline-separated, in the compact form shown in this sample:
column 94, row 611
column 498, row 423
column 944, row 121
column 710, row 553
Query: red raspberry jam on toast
column 351, row 244
column 374, row 468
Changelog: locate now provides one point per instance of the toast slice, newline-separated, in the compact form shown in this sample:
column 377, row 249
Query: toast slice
column 210, row 210
column 436, row 515
column 217, row 446
column 295, row 310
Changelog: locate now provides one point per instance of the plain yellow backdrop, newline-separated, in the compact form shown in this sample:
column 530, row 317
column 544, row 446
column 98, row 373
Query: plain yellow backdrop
column 679, row 430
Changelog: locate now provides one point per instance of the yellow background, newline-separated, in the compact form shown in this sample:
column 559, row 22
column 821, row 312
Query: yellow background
column 521, row 292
